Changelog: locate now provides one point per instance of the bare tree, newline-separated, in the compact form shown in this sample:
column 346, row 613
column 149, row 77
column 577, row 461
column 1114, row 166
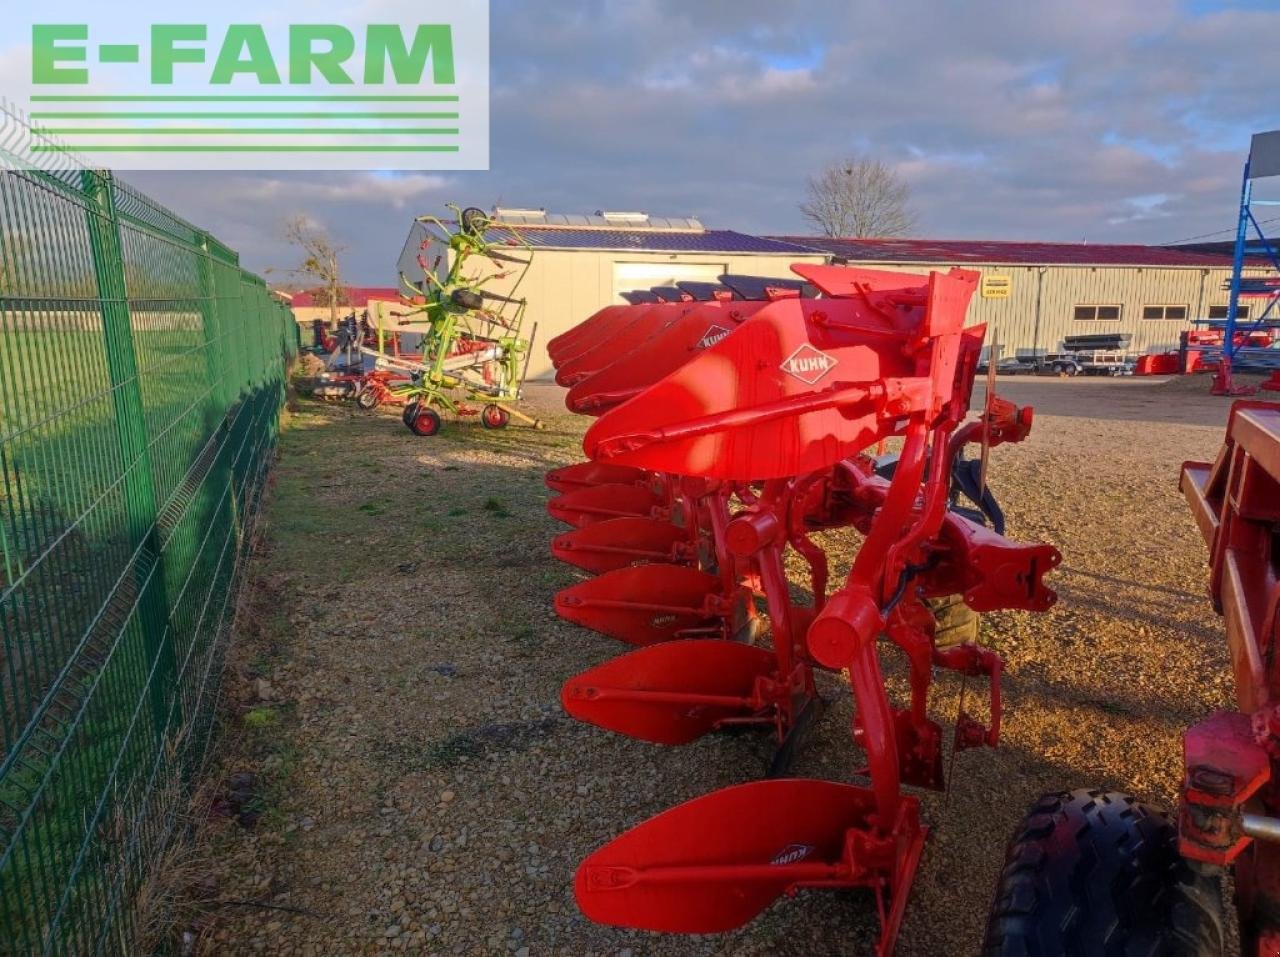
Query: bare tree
column 858, row 197
column 319, row 261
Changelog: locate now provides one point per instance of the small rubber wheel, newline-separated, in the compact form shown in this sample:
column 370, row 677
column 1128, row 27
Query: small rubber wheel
column 955, row 623
column 368, row 399
column 409, row 412
column 426, row 423
column 467, row 299
column 474, row 221
column 1095, row 872
column 494, row 417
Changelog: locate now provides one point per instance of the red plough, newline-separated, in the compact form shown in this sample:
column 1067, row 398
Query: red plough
column 746, row 443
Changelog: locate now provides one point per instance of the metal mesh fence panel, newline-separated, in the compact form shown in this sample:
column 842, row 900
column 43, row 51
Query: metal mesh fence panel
column 142, row 374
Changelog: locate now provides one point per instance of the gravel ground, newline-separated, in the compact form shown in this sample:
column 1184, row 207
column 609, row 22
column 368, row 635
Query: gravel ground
column 414, row 786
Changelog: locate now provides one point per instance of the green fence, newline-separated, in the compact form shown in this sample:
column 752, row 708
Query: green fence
column 142, row 373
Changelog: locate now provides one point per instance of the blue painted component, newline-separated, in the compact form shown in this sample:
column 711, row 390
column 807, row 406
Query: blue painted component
column 1245, row 246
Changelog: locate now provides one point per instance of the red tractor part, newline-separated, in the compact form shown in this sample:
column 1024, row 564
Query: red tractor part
column 563, row 344
column 584, row 474
column 633, row 372
column 696, row 685
column 990, row 571
column 622, row 542
column 612, row 321
column 671, row 601
column 1230, row 809
column 694, row 331
column 714, row 863
column 674, row 692
column 802, row 384
column 779, row 412
column 597, row 503
column 649, row 321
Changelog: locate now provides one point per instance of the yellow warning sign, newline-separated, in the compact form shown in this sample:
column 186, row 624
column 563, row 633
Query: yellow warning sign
column 997, row 287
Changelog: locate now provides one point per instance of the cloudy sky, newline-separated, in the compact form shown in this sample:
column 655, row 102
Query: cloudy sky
column 1097, row 120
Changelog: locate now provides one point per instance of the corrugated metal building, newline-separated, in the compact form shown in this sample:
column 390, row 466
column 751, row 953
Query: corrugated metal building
column 583, row 263
column 1033, row 294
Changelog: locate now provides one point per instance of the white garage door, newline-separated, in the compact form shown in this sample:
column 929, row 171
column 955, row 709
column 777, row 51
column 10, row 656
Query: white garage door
column 629, row 276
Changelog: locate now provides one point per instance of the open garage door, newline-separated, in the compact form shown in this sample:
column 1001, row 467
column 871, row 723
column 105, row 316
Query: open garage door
column 629, row 276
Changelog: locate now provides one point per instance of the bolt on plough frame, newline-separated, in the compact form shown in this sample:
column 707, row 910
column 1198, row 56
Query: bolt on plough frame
column 473, row 348
column 729, row 431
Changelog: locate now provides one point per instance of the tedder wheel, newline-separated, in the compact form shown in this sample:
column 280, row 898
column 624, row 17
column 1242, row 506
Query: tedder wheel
column 467, row 299
column 494, row 417
column 474, row 220
column 1095, row 872
column 956, row 622
column 368, row 399
column 426, row 422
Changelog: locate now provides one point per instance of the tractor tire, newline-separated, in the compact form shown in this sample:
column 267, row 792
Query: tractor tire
column 494, row 417
column 368, row 399
column 955, row 623
column 426, row 423
column 1095, row 872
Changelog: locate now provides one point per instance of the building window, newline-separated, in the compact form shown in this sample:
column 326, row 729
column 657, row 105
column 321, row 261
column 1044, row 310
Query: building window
column 1176, row 313
column 1220, row 312
column 1097, row 313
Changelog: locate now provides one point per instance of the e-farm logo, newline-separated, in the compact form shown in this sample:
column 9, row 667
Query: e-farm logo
column 237, row 95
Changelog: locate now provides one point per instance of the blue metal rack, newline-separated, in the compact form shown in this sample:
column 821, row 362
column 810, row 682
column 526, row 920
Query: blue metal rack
column 1263, row 162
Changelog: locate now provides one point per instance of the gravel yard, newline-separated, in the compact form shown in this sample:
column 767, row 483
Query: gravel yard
column 396, row 738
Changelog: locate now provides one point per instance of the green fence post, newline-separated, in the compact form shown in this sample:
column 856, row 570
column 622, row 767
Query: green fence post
column 131, row 433
column 209, row 315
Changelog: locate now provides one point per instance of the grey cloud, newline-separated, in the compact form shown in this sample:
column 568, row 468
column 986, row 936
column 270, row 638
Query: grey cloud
column 1110, row 120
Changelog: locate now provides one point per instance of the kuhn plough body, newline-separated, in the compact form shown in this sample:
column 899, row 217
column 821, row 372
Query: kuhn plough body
column 730, row 430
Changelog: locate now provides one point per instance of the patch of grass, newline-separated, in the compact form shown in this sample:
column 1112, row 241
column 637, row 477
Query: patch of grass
column 495, row 507
column 526, row 639
column 449, row 753
column 263, row 666
column 1111, row 707
column 372, row 507
column 456, row 512
column 477, row 742
column 259, row 718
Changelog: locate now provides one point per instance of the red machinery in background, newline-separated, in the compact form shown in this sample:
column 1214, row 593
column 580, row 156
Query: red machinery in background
column 1095, row 871
column 728, row 433
column 1230, row 813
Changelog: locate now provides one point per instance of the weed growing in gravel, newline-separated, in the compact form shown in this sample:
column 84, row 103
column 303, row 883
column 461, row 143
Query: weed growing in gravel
column 259, row 718
column 526, row 639
column 495, row 507
column 478, row 742
column 443, row 755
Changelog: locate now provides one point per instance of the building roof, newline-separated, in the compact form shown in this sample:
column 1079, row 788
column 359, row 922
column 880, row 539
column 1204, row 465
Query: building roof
column 647, row 240
column 352, row 296
column 1000, row 251
column 619, row 232
column 601, row 219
